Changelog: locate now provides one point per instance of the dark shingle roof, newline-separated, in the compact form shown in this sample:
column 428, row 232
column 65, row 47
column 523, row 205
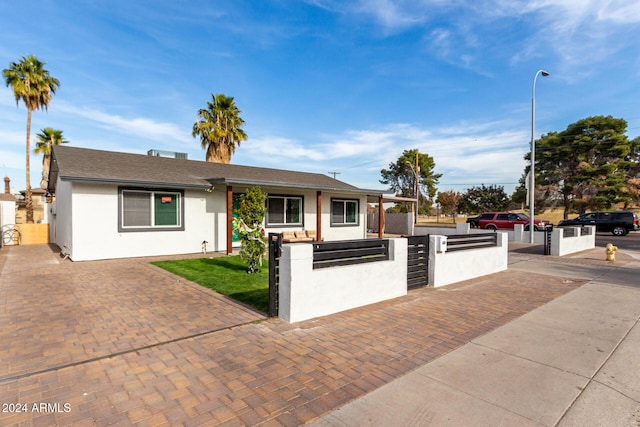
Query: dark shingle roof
column 82, row 164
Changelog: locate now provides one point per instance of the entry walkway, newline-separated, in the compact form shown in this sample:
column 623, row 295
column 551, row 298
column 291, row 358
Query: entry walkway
column 122, row 342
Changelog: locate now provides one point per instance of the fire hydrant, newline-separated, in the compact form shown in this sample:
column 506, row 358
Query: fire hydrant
column 611, row 252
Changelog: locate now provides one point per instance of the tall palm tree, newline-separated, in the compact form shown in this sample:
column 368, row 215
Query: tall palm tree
column 33, row 84
column 220, row 128
column 45, row 140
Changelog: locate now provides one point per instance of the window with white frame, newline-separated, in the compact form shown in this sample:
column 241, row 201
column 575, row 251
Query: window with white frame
column 142, row 210
column 284, row 210
column 345, row 212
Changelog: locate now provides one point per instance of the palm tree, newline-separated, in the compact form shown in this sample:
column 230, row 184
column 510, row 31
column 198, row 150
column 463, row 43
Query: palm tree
column 33, row 84
column 45, row 140
column 220, row 128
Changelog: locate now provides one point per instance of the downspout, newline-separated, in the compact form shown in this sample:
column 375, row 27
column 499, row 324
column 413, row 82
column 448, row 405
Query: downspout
column 319, row 216
column 380, row 217
column 229, row 219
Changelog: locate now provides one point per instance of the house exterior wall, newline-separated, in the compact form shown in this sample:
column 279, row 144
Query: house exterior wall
column 62, row 215
column 86, row 222
column 329, row 232
column 345, row 232
column 7, row 213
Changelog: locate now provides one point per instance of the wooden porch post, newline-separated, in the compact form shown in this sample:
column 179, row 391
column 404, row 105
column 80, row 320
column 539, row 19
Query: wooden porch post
column 229, row 219
column 380, row 216
column 319, row 216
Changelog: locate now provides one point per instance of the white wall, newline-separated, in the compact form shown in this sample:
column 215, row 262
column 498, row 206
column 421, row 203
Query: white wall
column 520, row 235
column 95, row 235
column 7, row 213
column 7, row 216
column 305, row 293
column 561, row 245
column 86, row 222
column 63, row 216
column 451, row 267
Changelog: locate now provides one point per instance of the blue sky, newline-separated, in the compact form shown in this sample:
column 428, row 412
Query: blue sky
column 326, row 85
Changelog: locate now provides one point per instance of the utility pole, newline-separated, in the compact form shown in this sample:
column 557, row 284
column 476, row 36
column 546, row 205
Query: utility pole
column 417, row 187
column 334, row 174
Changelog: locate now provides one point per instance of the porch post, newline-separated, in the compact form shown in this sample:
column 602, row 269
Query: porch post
column 319, row 216
column 380, row 217
column 229, row 219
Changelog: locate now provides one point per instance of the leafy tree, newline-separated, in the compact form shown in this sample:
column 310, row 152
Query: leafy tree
column 402, row 179
column 587, row 165
column 632, row 181
column 449, row 201
column 519, row 196
column 45, row 140
column 249, row 224
column 484, row 199
column 219, row 127
column 32, row 84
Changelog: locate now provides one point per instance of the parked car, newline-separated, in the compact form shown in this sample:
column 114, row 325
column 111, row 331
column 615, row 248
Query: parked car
column 473, row 221
column 507, row 221
column 619, row 223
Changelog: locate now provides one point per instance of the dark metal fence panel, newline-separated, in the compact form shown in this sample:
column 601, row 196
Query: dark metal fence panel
column 547, row 239
column 417, row 261
column 461, row 242
column 332, row 254
column 275, row 250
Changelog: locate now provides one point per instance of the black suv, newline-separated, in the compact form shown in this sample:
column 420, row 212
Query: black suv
column 618, row 223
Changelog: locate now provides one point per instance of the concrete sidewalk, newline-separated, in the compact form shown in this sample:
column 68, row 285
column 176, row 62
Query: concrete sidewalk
column 572, row 362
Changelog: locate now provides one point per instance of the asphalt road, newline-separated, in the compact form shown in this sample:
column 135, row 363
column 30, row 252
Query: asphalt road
column 630, row 242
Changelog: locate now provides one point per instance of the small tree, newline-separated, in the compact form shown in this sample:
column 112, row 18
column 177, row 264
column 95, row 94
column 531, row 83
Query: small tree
column 401, row 177
column 249, row 225
column 449, row 201
column 484, row 199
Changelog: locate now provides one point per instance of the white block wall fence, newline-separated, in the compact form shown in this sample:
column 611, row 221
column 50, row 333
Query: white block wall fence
column 451, row 267
column 305, row 292
column 581, row 240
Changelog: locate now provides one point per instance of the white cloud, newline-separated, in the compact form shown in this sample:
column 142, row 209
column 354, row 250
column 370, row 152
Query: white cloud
column 466, row 153
column 138, row 126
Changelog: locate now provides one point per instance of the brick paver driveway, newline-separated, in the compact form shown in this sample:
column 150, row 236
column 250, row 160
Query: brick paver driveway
column 122, row 342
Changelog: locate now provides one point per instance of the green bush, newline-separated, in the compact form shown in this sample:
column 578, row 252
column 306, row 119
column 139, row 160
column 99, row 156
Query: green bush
column 249, row 225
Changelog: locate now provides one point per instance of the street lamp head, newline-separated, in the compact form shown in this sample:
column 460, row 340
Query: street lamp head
column 544, row 73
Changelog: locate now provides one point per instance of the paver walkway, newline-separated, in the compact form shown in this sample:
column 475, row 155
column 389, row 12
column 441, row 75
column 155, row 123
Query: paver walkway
column 122, row 342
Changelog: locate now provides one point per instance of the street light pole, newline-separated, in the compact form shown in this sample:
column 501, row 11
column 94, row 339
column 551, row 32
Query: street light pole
column 532, row 182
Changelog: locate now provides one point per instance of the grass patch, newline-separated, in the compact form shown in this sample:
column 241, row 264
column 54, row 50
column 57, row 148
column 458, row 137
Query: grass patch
column 227, row 276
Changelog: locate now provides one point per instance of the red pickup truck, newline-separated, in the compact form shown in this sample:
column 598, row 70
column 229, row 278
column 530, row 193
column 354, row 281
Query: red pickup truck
column 507, row 220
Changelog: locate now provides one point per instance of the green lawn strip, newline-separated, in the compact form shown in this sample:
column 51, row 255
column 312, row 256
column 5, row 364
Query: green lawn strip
column 227, row 276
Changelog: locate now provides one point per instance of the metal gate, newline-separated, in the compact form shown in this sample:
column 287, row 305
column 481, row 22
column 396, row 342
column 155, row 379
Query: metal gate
column 547, row 239
column 275, row 250
column 417, row 261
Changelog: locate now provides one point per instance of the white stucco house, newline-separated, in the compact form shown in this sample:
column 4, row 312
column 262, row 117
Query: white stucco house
column 117, row 205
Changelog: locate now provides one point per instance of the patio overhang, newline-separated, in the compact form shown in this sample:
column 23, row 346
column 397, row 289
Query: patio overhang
column 380, row 200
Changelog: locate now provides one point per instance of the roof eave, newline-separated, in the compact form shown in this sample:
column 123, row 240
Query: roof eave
column 227, row 181
column 134, row 182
